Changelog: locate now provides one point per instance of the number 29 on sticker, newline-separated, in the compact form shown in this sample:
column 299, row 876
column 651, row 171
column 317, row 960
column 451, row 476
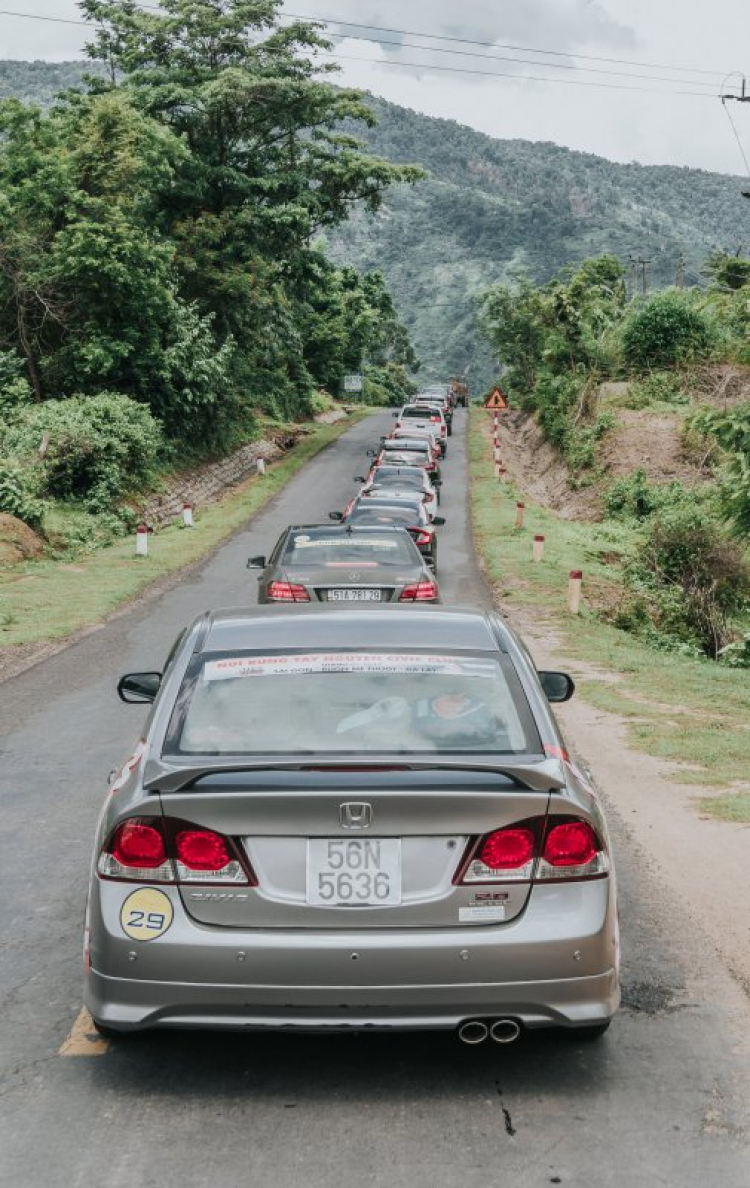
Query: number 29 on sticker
column 146, row 914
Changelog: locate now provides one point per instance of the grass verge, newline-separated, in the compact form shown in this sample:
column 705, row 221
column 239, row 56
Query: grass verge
column 48, row 600
column 692, row 713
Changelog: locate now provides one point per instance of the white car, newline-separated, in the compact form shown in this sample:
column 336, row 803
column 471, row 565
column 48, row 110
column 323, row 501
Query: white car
column 413, row 416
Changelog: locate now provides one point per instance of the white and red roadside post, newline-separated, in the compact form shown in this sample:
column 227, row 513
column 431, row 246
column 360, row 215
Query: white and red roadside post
column 574, row 591
column 260, row 467
column 537, row 548
column 187, row 515
column 519, row 515
column 141, row 541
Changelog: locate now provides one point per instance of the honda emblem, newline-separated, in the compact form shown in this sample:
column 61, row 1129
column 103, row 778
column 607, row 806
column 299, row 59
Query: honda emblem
column 354, row 815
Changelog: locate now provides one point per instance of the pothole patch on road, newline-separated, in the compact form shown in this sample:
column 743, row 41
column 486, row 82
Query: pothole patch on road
column 650, row 998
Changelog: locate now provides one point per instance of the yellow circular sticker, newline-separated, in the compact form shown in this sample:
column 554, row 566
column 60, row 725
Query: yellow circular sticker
column 146, row 914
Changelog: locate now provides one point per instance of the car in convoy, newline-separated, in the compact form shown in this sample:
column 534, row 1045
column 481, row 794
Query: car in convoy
column 318, row 563
column 413, row 416
column 401, row 477
column 351, row 819
column 398, row 455
column 412, row 432
column 441, row 403
column 411, row 516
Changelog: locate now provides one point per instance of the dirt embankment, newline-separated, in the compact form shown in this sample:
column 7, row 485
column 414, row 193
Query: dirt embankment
column 538, row 470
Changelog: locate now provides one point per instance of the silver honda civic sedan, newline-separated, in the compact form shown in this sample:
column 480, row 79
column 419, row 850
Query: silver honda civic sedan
column 351, row 819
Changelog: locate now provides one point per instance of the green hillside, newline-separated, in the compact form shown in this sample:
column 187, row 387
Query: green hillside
column 491, row 207
column 494, row 206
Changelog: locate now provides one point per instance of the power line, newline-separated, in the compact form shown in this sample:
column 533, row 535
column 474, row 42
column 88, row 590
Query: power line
column 570, row 82
column 502, row 45
column 525, row 61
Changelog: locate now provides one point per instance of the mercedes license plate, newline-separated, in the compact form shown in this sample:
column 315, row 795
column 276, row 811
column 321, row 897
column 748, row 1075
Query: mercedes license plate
column 354, row 596
column 353, row 872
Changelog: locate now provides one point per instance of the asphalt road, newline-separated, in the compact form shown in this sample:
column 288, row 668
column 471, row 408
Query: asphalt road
column 662, row 1100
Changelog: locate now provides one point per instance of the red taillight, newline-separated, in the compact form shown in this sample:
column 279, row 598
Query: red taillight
column 135, row 844
column 200, row 849
column 436, row 419
column 508, row 849
column 420, row 537
column 287, row 592
column 419, row 592
column 572, row 844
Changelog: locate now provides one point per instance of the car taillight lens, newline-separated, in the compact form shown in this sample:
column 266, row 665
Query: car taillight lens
column 137, row 850
column 419, row 592
column 420, row 537
column 505, row 855
column 204, row 857
column 287, row 592
column 572, row 851
column 141, row 850
column 435, row 419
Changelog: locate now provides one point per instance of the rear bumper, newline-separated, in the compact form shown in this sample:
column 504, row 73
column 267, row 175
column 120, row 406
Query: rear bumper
column 133, row 1005
column 556, row 964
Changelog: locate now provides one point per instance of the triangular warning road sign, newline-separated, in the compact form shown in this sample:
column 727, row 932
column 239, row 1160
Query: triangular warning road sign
column 496, row 400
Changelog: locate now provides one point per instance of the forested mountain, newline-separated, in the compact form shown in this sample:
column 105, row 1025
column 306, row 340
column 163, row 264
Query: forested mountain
column 491, row 207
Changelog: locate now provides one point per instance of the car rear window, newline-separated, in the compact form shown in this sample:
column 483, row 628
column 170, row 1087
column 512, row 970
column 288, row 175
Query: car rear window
column 352, row 702
column 412, row 476
column 306, row 550
column 421, row 413
column 411, row 445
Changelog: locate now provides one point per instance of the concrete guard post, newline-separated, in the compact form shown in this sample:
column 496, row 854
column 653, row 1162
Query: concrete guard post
column 141, row 541
column 574, row 591
column 537, row 548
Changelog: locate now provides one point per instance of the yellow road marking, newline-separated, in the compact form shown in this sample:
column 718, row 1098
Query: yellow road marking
column 84, row 1039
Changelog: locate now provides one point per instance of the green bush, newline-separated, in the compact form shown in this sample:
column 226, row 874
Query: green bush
column 695, row 578
column 659, row 387
column 98, row 447
column 737, row 653
column 19, row 493
column 15, row 390
column 665, row 331
column 634, row 497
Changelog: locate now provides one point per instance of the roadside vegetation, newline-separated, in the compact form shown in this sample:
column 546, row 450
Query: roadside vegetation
column 94, row 573
column 666, row 562
column 164, row 281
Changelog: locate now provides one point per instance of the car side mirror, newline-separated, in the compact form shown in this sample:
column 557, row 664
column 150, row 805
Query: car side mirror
column 372, row 453
column 360, row 478
column 135, row 688
column 258, row 562
column 394, row 414
column 436, row 482
column 558, row 686
column 335, row 515
column 438, row 521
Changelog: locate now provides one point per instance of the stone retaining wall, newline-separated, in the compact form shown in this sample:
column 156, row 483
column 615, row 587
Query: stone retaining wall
column 207, row 483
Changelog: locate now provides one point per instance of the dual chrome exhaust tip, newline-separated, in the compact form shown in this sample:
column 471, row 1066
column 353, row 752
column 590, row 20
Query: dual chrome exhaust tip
column 502, row 1031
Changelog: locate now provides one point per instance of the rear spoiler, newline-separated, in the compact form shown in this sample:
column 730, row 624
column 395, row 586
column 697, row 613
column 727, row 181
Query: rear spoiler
column 532, row 773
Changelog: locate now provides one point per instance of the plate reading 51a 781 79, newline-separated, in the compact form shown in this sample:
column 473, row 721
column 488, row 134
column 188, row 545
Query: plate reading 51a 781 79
column 354, row 872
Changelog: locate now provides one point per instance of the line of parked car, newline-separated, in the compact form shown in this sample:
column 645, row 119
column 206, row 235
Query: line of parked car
column 385, row 548
column 343, row 817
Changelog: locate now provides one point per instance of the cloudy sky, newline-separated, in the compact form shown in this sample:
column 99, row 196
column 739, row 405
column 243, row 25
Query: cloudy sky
column 459, row 59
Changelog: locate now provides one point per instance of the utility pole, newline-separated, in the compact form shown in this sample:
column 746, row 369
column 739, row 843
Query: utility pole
column 644, row 265
column 743, row 97
column 637, row 262
column 679, row 280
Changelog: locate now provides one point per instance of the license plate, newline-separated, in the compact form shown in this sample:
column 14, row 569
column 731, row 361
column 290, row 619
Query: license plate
column 354, row 596
column 353, row 872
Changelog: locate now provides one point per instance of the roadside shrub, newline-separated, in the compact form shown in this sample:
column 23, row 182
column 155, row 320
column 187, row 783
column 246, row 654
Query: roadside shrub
column 581, row 442
column 696, row 577
column 19, row 493
column 15, row 390
column 736, row 654
column 98, row 447
column 659, row 387
column 666, row 331
column 731, row 430
column 634, row 497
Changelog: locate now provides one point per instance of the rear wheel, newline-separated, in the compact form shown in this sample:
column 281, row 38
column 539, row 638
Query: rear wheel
column 106, row 1032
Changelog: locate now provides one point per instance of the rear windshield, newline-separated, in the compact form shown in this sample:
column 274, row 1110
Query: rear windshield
column 412, row 478
column 421, row 413
column 411, row 445
column 361, row 702
column 304, row 549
